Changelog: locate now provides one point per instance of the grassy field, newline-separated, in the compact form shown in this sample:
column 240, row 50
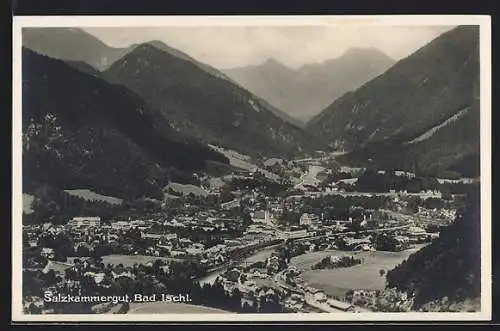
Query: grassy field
column 260, row 256
column 92, row 196
column 187, row 188
column 171, row 308
column 364, row 276
column 242, row 161
column 130, row 260
column 27, row 202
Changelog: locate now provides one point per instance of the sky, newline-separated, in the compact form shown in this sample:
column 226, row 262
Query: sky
column 235, row 46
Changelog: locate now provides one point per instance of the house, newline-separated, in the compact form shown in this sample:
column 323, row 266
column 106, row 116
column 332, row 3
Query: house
column 47, row 252
column 230, row 204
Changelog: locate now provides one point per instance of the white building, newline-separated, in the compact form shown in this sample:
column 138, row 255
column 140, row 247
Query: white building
column 305, row 220
column 293, row 234
column 230, row 204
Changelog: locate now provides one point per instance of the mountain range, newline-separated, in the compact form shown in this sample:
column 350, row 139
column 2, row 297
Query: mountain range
column 422, row 113
column 305, row 92
column 203, row 105
column 90, row 54
column 72, row 44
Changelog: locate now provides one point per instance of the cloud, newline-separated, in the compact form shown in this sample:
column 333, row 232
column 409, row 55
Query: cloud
column 225, row 47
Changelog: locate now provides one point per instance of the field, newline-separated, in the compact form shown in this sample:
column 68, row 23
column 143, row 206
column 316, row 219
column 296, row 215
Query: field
column 130, row 260
column 364, row 276
column 187, row 188
column 260, row 256
column 92, row 196
column 242, row 161
column 171, row 308
column 27, row 202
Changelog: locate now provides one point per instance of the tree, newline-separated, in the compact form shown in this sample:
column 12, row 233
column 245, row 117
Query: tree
column 381, row 272
column 83, row 250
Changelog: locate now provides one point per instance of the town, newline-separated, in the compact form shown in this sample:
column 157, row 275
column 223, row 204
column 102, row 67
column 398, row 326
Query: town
column 280, row 236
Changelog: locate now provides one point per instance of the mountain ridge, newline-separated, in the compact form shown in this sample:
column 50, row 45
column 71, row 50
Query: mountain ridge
column 168, row 83
column 414, row 96
column 104, row 137
column 304, row 92
column 72, row 44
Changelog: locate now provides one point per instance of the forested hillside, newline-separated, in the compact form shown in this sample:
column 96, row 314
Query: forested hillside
column 448, row 267
column 82, row 132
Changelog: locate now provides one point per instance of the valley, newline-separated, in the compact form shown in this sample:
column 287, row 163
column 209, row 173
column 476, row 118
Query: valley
column 147, row 170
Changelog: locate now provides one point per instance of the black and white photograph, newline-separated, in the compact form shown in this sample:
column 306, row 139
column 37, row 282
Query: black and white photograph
column 232, row 168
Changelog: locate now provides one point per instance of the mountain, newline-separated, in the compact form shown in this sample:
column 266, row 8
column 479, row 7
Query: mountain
column 80, row 131
column 304, row 92
column 72, row 44
column 205, row 106
column 421, row 114
column 449, row 267
column 211, row 70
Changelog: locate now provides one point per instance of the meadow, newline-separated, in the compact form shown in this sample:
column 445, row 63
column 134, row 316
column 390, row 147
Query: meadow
column 337, row 281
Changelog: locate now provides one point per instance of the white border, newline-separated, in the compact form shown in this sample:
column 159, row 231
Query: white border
column 156, row 21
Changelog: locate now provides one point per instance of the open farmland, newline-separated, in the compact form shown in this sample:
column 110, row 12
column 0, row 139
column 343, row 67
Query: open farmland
column 171, row 308
column 130, row 260
column 364, row 276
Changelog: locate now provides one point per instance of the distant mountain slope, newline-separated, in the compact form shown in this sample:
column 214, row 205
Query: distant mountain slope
column 205, row 106
column 449, row 267
column 303, row 93
column 72, row 44
column 79, row 131
column 211, row 70
column 430, row 98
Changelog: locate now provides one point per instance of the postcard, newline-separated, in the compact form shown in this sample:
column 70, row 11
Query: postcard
column 251, row 168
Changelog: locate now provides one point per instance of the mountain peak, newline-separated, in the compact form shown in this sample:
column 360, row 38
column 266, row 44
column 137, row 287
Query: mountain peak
column 364, row 51
column 271, row 62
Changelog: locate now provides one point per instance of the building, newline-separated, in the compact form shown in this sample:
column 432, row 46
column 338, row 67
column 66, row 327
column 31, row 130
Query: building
column 120, row 225
column 305, row 220
column 293, row 234
column 230, row 204
column 309, row 220
column 90, row 221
